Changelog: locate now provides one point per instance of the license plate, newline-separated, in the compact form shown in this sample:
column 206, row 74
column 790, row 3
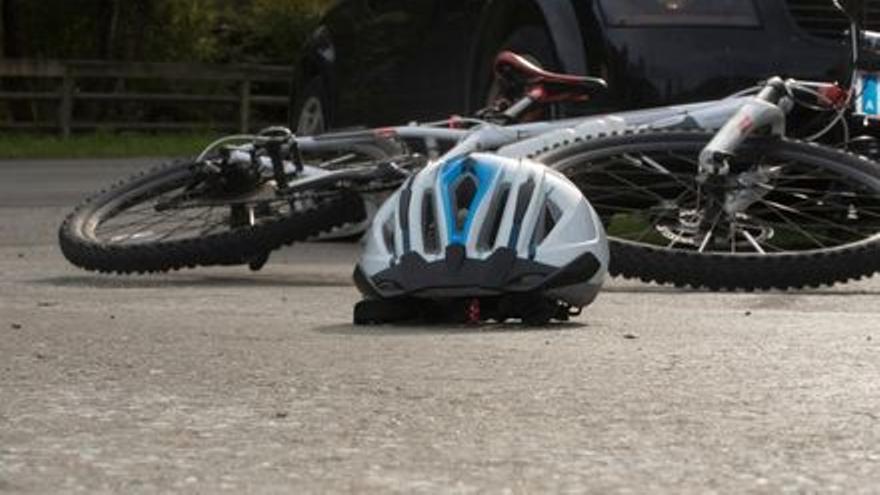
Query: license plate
column 868, row 92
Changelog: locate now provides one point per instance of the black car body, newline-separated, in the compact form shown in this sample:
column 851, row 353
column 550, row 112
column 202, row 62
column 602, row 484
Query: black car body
column 375, row 62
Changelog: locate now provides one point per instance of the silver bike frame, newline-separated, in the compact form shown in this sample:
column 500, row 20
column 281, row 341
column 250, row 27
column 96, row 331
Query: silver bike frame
column 530, row 139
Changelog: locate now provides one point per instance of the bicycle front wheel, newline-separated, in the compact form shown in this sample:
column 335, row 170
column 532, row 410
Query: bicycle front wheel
column 788, row 215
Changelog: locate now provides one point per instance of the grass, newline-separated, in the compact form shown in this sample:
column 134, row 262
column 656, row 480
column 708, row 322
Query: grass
column 103, row 145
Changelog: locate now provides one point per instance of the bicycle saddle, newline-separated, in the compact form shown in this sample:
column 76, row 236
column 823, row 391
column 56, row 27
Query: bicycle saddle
column 543, row 85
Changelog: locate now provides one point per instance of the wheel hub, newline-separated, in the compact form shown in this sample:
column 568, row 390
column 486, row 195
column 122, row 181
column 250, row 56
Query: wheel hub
column 687, row 229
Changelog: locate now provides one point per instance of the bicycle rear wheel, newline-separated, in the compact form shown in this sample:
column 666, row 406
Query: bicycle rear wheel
column 789, row 214
column 177, row 216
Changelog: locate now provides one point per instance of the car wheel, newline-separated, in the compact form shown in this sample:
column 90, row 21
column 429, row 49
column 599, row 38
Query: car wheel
column 311, row 109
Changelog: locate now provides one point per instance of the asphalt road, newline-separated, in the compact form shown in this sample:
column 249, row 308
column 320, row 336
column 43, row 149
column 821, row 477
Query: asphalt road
column 226, row 380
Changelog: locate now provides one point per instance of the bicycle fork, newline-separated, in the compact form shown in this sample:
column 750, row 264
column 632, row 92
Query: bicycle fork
column 729, row 195
column 767, row 109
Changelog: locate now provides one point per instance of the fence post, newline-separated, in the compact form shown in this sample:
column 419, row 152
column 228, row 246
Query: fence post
column 65, row 110
column 245, row 115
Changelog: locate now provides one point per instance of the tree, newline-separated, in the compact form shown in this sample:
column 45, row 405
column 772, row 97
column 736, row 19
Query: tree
column 12, row 48
column 108, row 27
column 158, row 30
column 212, row 31
column 12, row 33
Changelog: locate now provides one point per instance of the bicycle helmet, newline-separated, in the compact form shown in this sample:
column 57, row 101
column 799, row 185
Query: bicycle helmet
column 481, row 237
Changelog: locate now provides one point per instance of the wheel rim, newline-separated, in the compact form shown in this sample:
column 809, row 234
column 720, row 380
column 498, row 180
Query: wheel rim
column 181, row 208
column 311, row 117
column 770, row 204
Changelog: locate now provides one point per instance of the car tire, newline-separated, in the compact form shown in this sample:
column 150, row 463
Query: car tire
column 311, row 114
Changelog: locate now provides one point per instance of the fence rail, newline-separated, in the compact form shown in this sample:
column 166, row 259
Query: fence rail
column 65, row 75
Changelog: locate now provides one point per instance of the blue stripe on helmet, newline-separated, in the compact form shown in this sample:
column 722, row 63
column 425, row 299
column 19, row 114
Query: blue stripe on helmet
column 485, row 174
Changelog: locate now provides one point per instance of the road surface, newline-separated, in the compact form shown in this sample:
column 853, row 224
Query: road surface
column 218, row 380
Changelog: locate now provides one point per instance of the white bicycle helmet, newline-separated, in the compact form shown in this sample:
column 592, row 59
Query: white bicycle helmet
column 482, row 237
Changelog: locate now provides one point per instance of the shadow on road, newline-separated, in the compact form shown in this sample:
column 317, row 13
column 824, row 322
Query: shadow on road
column 650, row 289
column 318, row 280
column 660, row 290
column 447, row 329
column 157, row 281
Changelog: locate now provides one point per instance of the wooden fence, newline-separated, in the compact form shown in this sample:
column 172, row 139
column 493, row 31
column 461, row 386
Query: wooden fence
column 65, row 76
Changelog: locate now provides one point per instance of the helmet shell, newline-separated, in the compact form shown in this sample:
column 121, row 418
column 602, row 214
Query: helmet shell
column 483, row 225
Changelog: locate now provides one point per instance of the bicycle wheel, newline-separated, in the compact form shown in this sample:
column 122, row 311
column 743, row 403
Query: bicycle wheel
column 178, row 216
column 788, row 215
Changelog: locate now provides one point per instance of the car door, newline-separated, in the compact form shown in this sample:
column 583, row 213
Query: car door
column 439, row 72
column 372, row 66
column 400, row 60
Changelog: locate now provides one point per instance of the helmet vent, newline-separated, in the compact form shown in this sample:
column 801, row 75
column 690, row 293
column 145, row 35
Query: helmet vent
column 523, row 198
column 489, row 234
column 429, row 224
column 550, row 216
column 463, row 193
column 388, row 234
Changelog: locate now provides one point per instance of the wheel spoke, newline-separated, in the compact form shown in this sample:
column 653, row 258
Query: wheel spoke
column 820, row 221
column 826, row 203
column 187, row 222
column 798, row 228
column 116, row 227
column 752, row 241
column 637, row 186
column 711, row 232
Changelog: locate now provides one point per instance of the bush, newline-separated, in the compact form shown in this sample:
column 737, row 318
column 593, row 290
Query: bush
column 264, row 31
column 205, row 31
column 273, row 30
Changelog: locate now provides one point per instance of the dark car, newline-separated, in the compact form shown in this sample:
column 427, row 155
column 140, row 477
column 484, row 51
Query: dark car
column 374, row 62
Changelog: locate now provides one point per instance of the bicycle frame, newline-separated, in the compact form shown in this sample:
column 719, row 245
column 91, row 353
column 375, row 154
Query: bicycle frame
column 527, row 140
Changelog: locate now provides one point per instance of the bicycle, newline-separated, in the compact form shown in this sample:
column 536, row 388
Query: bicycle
column 710, row 194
